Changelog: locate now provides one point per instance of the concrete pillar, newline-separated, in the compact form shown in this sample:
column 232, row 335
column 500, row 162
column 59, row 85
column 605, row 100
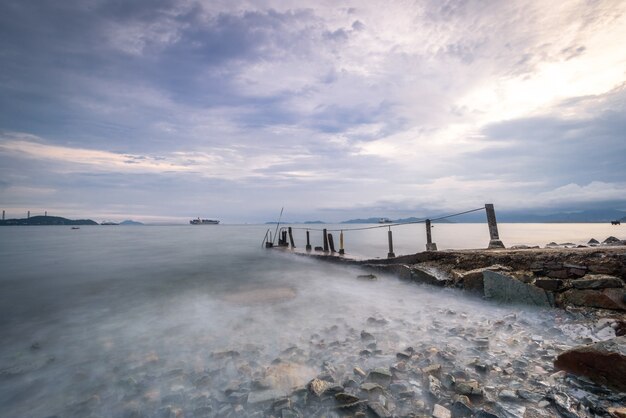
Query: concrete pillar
column 390, row 254
column 341, row 251
column 494, row 238
column 430, row 245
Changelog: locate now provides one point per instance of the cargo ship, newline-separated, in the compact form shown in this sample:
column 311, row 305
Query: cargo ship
column 203, row 222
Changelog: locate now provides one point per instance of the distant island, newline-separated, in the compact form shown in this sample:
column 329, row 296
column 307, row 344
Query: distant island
column 129, row 222
column 47, row 220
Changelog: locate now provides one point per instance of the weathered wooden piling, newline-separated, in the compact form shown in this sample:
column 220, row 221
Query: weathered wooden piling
column 331, row 243
column 308, row 241
column 430, row 245
column 341, row 250
column 390, row 254
column 494, row 237
column 283, row 241
column 291, row 238
column 28, row 215
column 325, row 238
column 3, row 215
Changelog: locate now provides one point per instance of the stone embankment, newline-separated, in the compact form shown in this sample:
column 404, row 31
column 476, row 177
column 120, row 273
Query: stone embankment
column 584, row 277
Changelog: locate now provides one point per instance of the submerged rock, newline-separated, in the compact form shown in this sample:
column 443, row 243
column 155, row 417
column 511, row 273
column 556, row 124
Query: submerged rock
column 603, row 362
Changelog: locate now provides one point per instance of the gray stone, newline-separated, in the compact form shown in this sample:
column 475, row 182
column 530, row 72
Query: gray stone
column 380, row 376
column 503, row 288
column 549, row 284
column 469, row 387
column 605, row 298
column 597, row 281
column 429, row 275
column 263, row 396
column 379, row 410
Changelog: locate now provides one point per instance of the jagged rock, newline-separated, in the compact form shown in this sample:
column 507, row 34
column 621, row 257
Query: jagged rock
column 379, row 410
column 429, row 275
column 380, row 376
column 318, row 387
column 603, row 362
column 346, row 398
column 606, row 298
column 507, row 289
column 359, row 371
column 612, row 241
column 473, row 280
column 441, row 412
column 597, row 281
column 469, row 387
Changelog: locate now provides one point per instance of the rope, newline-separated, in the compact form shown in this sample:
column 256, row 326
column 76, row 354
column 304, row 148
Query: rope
column 391, row 224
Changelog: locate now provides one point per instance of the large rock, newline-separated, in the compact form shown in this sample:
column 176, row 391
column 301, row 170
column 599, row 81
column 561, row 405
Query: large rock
column 603, row 362
column 508, row 289
column 598, row 281
column 473, row 280
column 429, row 275
column 606, row 298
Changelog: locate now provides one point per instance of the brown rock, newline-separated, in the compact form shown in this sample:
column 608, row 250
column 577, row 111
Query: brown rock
column 606, row 299
column 619, row 412
column 549, row 284
column 603, row 362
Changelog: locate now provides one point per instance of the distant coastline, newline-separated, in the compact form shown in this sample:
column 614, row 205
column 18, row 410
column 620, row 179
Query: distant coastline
column 58, row 220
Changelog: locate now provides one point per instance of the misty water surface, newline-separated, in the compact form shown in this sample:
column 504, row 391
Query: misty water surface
column 88, row 316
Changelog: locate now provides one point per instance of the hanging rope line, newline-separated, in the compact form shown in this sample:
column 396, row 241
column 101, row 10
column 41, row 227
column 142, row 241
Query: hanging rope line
column 389, row 225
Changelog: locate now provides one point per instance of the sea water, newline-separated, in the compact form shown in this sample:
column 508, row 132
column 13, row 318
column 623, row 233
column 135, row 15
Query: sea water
column 126, row 321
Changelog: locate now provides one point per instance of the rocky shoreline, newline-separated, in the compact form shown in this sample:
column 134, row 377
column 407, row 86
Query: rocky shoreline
column 546, row 379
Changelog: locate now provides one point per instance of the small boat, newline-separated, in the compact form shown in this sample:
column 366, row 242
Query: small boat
column 384, row 221
column 203, row 222
column 615, row 222
column 75, row 227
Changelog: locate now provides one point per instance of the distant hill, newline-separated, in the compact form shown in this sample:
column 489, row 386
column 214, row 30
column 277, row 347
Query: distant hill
column 47, row 220
column 396, row 221
column 129, row 222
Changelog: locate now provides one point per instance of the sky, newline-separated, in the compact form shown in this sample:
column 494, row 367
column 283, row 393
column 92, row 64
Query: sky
column 167, row 110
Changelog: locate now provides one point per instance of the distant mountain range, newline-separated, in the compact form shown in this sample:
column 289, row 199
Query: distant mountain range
column 585, row 216
column 47, row 220
column 57, row 220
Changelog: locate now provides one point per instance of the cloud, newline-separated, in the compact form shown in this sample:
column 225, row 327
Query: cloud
column 408, row 105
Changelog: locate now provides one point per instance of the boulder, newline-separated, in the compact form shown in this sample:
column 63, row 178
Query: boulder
column 549, row 284
column 598, row 281
column 605, row 299
column 473, row 280
column 504, row 288
column 429, row 275
column 603, row 362
column 612, row 241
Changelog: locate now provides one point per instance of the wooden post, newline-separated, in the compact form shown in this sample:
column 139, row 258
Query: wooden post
column 341, row 251
column 390, row 254
column 325, row 238
column 283, row 240
column 45, row 213
column 308, row 241
column 291, row 238
column 331, row 243
column 28, row 215
column 494, row 237
column 430, row 245
column 3, row 215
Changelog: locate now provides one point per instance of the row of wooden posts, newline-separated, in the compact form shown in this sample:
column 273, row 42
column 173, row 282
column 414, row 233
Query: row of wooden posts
column 329, row 243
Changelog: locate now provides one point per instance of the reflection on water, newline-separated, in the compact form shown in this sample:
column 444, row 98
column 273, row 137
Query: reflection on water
column 118, row 321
